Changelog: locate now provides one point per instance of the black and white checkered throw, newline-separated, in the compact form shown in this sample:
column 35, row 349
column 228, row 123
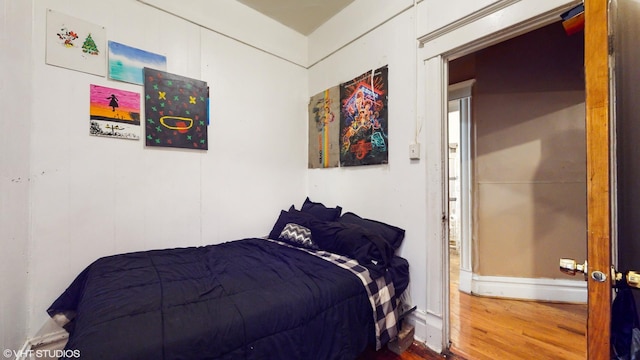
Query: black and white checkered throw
column 381, row 293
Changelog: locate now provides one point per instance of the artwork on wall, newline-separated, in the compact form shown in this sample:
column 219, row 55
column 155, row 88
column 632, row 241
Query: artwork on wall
column 363, row 121
column 175, row 110
column 75, row 44
column 324, row 129
column 114, row 113
column 126, row 63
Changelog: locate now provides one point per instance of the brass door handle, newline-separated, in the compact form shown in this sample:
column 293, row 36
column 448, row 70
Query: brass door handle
column 571, row 267
column 632, row 277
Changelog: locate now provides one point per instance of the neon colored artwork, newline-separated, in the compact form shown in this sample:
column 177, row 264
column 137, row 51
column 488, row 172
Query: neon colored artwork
column 176, row 110
column 363, row 119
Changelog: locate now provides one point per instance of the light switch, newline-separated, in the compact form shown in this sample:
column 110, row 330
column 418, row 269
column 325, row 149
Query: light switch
column 414, row 151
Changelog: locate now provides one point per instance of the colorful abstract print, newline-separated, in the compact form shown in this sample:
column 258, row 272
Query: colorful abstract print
column 363, row 136
column 176, row 110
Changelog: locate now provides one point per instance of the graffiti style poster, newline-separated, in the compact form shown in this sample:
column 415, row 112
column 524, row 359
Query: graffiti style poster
column 324, row 129
column 363, row 121
column 176, row 110
column 114, row 113
column 126, row 63
column 75, row 44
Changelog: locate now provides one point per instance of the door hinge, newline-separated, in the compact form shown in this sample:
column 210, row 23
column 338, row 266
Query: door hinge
column 611, row 39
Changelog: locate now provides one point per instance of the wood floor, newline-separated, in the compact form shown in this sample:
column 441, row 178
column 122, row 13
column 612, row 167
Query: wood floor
column 415, row 352
column 488, row 329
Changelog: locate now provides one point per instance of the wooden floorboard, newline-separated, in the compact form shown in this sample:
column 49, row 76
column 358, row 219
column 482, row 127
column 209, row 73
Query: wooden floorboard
column 485, row 328
column 416, row 351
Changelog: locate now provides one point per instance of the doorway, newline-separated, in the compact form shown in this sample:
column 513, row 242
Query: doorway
column 526, row 198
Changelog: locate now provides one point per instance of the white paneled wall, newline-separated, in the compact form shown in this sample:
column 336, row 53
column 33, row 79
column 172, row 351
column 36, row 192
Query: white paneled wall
column 15, row 97
column 94, row 196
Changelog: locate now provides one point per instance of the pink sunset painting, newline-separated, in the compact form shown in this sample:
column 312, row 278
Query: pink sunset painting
column 114, row 113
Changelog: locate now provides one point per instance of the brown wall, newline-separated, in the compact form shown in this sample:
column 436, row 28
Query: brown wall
column 529, row 153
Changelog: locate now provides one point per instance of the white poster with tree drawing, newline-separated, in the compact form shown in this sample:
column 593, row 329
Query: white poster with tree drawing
column 75, row 44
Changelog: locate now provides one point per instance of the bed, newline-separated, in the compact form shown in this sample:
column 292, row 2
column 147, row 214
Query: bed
column 299, row 293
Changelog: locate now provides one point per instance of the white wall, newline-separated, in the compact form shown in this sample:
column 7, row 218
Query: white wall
column 393, row 193
column 94, row 196
column 357, row 19
column 15, row 97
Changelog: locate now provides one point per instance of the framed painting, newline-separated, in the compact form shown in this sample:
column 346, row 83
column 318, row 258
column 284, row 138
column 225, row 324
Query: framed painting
column 176, row 110
column 75, row 44
column 364, row 136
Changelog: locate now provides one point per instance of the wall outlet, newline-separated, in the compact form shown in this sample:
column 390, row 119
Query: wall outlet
column 414, row 151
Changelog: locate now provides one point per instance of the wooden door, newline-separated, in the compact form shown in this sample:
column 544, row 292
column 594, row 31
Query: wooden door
column 598, row 177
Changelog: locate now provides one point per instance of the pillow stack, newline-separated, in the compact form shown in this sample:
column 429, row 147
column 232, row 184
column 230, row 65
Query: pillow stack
column 315, row 226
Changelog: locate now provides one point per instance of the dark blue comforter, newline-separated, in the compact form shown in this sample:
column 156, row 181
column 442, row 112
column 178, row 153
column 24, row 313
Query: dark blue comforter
column 245, row 299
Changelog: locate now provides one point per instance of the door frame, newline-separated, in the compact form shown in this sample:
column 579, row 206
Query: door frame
column 462, row 92
column 442, row 45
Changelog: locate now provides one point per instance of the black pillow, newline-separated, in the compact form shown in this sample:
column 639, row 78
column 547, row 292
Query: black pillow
column 369, row 249
column 320, row 211
column 292, row 216
column 392, row 234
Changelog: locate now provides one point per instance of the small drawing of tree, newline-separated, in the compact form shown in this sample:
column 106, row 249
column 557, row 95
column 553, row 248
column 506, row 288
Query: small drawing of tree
column 89, row 46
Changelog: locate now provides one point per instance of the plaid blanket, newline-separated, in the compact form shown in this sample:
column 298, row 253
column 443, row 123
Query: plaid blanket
column 381, row 293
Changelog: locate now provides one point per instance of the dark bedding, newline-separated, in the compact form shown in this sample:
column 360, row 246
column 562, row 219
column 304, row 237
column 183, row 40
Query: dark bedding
column 245, row 299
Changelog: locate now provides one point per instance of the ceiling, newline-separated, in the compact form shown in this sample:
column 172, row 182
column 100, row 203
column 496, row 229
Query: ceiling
column 303, row 16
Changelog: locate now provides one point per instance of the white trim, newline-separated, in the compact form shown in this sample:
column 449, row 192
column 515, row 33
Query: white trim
column 437, row 259
column 460, row 90
column 49, row 339
column 419, row 321
column 465, row 283
column 504, row 23
column 427, row 328
column 556, row 290
column 435, row 329
column 23, row 353
column 518, row 29
column 465, row 21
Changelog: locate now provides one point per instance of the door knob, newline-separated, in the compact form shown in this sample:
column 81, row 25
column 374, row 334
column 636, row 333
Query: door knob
column 632, row 277
column 571, row 267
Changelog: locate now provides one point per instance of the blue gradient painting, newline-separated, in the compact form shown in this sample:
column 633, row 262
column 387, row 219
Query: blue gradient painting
column 126, row 63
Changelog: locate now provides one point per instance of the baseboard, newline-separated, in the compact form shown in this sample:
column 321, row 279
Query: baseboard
column 557, row 290
column 418, row 320
column 465, row 283
column 47, row 344
column 428, row 329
